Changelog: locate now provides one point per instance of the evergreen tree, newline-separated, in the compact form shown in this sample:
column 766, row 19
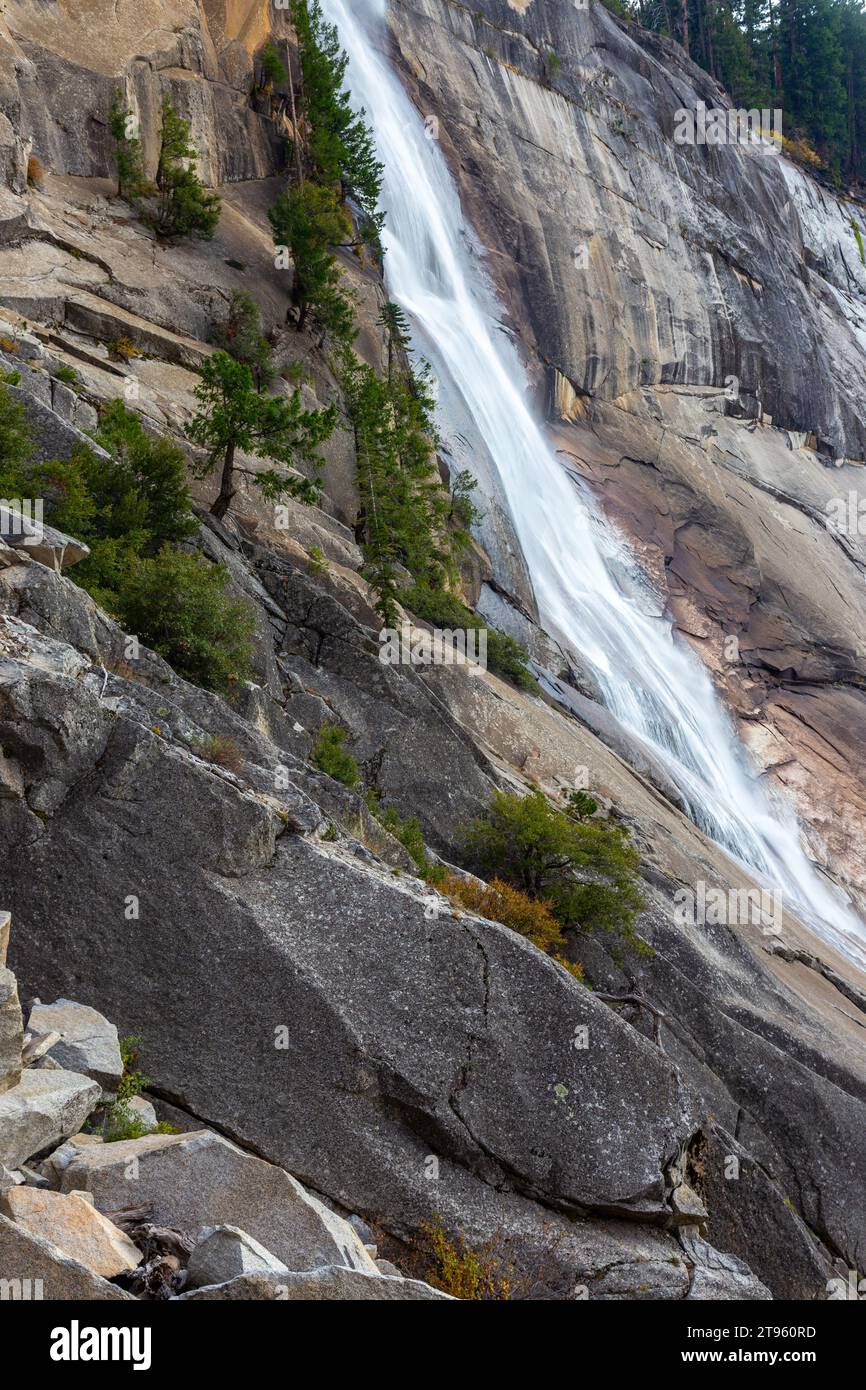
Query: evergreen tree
column 405, row 509
column 240, row 335
column 309, row 220
column 339, row 144
column 184, row 206
column 273, row 70
column 232, row 415
column 129, row 157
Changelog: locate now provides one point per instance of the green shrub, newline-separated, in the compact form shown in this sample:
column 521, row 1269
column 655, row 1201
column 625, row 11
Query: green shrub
column 443, row 609
column 586, row 869
column 318, row 562
column 68, row 374
column 126, row 506
column 16, row 446
column 506, row 657
column 409, row 834
column 330, row 756
column 131, row 507
column 179, row 605
column 119, row 1120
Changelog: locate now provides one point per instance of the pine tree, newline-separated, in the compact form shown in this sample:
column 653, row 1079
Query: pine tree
column 129, row 157
column 404, row 507
column 308, row 220
column 232, row 415
column 273, row 70
column 339, row 144
column 184, row 206
column 240, row 335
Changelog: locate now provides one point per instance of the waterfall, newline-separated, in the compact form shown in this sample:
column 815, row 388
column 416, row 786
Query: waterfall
column 658, row 690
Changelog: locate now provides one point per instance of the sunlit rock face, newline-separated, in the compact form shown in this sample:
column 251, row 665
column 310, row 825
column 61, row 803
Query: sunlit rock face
column 57, row 79
column 693, row 318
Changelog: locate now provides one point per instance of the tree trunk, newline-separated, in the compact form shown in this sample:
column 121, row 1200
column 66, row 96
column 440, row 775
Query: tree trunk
column 299, row 168
column 227, row 489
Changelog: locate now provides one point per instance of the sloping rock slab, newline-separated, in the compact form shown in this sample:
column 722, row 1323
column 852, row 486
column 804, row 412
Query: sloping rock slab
column 319, row 1286
column 193, row 1180
column 720, row 1276
column 26, row 1257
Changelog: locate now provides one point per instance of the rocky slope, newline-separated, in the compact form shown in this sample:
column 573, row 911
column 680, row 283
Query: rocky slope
column 295, row 987
column 160, row 1216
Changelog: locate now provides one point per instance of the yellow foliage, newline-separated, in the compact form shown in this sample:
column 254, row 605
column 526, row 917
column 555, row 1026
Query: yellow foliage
column 462, row 1272
column 500, row 902
column 123, row 348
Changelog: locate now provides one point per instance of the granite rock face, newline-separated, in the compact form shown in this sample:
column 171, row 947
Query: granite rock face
column 691, row 316
column 404, row 1059
column 293, row 983
column 199, row 53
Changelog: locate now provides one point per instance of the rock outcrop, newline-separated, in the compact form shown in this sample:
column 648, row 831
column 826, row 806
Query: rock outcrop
column 178, row 1195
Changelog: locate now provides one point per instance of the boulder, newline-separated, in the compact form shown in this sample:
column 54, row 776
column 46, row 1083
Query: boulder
column 31, row 1267
column 74, row 1226
column 39, row 541
column 88, row 1042
column 143, row 1111
column 223, row 1253
column 318, row 1286
column 44, row 1107
column 717, row 1276
column 200, row 1179
column 11, row 1031
column 9, row 1179
column 63, row 1155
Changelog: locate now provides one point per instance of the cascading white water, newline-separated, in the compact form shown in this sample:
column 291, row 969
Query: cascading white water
column 657, row 690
